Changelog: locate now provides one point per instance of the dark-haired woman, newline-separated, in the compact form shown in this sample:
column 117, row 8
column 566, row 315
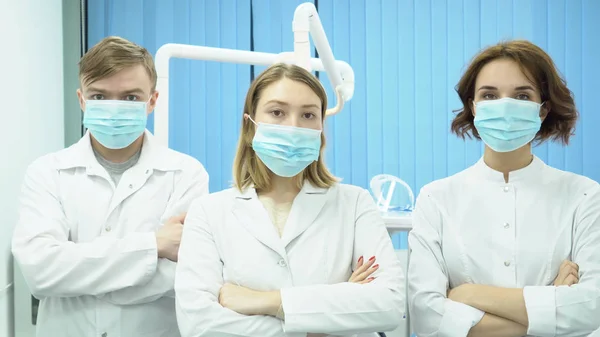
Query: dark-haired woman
column 509, row 246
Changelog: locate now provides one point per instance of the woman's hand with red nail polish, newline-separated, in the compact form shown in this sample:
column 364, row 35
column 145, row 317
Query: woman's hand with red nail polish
column 363, row 271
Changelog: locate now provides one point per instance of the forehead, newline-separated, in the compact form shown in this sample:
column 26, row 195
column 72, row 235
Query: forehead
column 291, row 92
column 502, row 73
column 125, row 80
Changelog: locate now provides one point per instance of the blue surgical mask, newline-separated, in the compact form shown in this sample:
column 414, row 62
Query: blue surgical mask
column 115, row 124
column 507, row 124
column 286, row 150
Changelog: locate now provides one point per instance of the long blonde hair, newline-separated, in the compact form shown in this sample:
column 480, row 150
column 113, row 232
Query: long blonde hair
column 248, row 170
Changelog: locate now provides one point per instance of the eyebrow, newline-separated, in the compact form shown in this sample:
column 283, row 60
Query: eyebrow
column 523, row 87
column 286, row 104
column 128, row 92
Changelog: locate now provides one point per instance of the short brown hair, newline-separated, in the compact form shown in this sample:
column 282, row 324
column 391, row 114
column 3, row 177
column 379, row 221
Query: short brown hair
column 559, row 124
column 247, row 168
column 112, row 55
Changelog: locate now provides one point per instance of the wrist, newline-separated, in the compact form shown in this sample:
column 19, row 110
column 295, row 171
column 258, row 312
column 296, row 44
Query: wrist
column 159, row 250
column 269, row 303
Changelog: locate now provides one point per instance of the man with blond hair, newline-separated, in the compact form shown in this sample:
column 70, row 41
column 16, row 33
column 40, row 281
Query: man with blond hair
column 100, row 222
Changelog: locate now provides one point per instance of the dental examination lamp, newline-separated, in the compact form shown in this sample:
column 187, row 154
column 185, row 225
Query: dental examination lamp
column 306, row 22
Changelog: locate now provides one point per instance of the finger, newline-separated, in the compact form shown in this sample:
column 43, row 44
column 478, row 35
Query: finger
column 369, row 263
column 368, row 280
column 570, row 280
column 574, row 272
column 175, row 220
column 365, row 266
column 573, row 265
column 566, row 279
column 360, row 262
column 368, row 272
column 563, row 273
column 181, row 217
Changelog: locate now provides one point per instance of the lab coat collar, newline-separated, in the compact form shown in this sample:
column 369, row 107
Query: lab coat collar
column 530, row 172
column 305, row 209
column 153, row 156
column 307, row 188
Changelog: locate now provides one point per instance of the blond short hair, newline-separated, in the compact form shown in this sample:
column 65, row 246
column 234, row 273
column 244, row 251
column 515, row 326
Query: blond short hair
column 112, row 55
column 248, row 170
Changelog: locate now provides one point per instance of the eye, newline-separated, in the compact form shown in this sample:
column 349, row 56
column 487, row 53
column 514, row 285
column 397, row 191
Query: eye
column 97, row 97
column 524, row 97
column 131, row 98
column 276, row 113
column 309, row 115
column 489, row 96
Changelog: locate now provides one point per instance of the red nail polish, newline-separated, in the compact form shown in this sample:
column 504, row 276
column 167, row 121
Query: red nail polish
column 360, row 259
column 376, row 266
column 371, row 278
column 372, row 258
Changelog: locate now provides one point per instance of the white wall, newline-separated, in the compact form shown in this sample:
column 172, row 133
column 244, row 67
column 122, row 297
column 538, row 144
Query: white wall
column 31, row 111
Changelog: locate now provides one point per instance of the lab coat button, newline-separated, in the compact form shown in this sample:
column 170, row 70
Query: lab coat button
column 130, row 185
column 282, row 263
column 507, row 263
column 506, row 225
column 104, row 334
column 107, row 228
column 506, row 188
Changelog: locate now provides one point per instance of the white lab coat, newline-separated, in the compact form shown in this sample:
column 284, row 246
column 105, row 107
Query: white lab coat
column 475, row 228
column 88, row 250
column 229, row 238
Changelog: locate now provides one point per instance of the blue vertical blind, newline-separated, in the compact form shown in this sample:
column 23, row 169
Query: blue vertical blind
column 407, row 56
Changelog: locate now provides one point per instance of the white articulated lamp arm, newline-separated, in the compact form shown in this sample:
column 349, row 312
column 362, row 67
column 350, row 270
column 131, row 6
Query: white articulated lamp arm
column 306, row 20
column 340, row 73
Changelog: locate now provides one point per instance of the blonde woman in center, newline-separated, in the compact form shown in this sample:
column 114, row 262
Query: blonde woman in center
column 288, row 251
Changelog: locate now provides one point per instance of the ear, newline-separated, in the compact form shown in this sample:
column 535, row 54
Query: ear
column 545, row 110
column 152, row 102
column 81, row 100
column 472, row 104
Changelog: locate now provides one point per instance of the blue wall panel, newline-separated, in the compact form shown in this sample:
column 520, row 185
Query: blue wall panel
column 407, row 56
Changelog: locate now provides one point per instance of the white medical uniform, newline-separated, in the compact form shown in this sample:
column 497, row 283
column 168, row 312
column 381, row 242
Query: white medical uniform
column 229, row 238
column 475, row 228
column 87, row 249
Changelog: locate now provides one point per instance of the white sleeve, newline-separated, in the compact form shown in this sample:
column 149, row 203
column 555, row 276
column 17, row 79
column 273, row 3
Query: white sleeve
column 431, row 312
column 198, row 279
column 574, row 310
column 54, row 266
column 191, row 185
column 351, row 308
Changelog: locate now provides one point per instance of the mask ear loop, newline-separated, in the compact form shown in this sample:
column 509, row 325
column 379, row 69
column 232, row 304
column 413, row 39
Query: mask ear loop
column 247, row 117
column 543, row 115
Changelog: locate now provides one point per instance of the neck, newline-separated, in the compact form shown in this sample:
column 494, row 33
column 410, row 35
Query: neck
column 117, row 155
column 507, row 162
column 282, row 189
